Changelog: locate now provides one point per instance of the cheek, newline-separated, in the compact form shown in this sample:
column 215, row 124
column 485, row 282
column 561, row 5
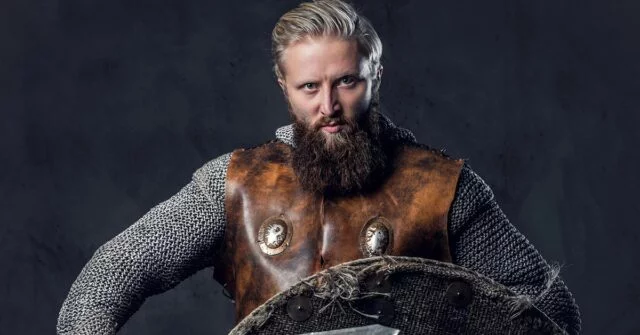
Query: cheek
column 300, row 108
column 357, row 100
column 303, row 104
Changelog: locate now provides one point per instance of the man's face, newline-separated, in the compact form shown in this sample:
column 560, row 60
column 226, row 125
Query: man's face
column 327, row 83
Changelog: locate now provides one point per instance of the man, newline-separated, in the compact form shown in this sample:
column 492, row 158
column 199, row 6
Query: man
column 299, row 204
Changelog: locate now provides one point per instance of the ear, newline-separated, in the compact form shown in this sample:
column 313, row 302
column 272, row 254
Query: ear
column 283, row 87
column 378, row 78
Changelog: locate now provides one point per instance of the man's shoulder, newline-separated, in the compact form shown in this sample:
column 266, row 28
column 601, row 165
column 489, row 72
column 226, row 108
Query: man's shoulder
column 423, row 156
column 469, row 181
column 273, row 151
column 218, row 166
column 428, row 150
column 209, row 175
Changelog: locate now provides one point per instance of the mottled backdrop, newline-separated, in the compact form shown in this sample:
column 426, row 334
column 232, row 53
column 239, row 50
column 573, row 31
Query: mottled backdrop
column 109, row 106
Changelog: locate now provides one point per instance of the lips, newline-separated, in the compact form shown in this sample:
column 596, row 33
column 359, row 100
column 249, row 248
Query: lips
column 332, row 127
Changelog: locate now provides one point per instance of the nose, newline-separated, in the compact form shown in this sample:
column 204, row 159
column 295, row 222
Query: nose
column 329, row 105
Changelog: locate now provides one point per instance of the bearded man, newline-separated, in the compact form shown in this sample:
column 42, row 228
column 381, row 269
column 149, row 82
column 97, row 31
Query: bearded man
column 298, row 204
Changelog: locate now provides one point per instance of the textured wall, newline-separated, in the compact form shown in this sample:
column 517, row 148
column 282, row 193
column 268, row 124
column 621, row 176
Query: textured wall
column 109, row 106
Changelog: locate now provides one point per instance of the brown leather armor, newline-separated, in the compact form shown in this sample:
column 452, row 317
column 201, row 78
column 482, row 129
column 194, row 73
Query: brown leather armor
column 412, row 203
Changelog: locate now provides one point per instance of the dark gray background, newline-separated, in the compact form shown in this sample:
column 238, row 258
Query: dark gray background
column 109, row 106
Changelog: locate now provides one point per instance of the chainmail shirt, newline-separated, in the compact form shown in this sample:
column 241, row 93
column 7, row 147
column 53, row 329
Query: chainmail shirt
column 178, row 237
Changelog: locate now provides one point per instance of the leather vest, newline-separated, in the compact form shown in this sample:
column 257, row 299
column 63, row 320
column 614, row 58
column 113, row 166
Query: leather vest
column 277, row 233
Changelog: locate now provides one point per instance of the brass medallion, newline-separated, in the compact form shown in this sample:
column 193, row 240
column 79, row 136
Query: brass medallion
column 376, row 237
column 274, row 235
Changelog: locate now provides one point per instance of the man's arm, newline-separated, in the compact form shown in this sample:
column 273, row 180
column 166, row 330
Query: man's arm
column 168, row 244
column 483, row 240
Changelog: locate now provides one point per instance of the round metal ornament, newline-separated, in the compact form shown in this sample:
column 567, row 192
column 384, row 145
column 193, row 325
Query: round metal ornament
column 376, row 237
column 274, row 235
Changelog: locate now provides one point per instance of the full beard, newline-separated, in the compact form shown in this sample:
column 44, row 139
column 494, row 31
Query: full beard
column 342, row 163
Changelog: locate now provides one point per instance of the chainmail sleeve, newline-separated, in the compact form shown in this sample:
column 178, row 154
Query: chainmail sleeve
column 483, row 239
column 168, row 244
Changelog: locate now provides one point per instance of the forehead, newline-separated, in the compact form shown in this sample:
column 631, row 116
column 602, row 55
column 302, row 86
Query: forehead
column 324, row 56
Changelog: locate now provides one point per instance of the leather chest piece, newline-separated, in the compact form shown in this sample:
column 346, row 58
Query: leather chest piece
column 277, row 233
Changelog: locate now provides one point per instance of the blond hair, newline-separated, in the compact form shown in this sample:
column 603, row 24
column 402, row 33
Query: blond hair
column 324, row 18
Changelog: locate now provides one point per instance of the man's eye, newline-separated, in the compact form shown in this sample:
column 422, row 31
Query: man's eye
column 347, row 80
column 309, row 86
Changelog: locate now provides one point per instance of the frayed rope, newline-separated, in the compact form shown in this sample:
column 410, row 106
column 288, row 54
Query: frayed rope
column 342, row 285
